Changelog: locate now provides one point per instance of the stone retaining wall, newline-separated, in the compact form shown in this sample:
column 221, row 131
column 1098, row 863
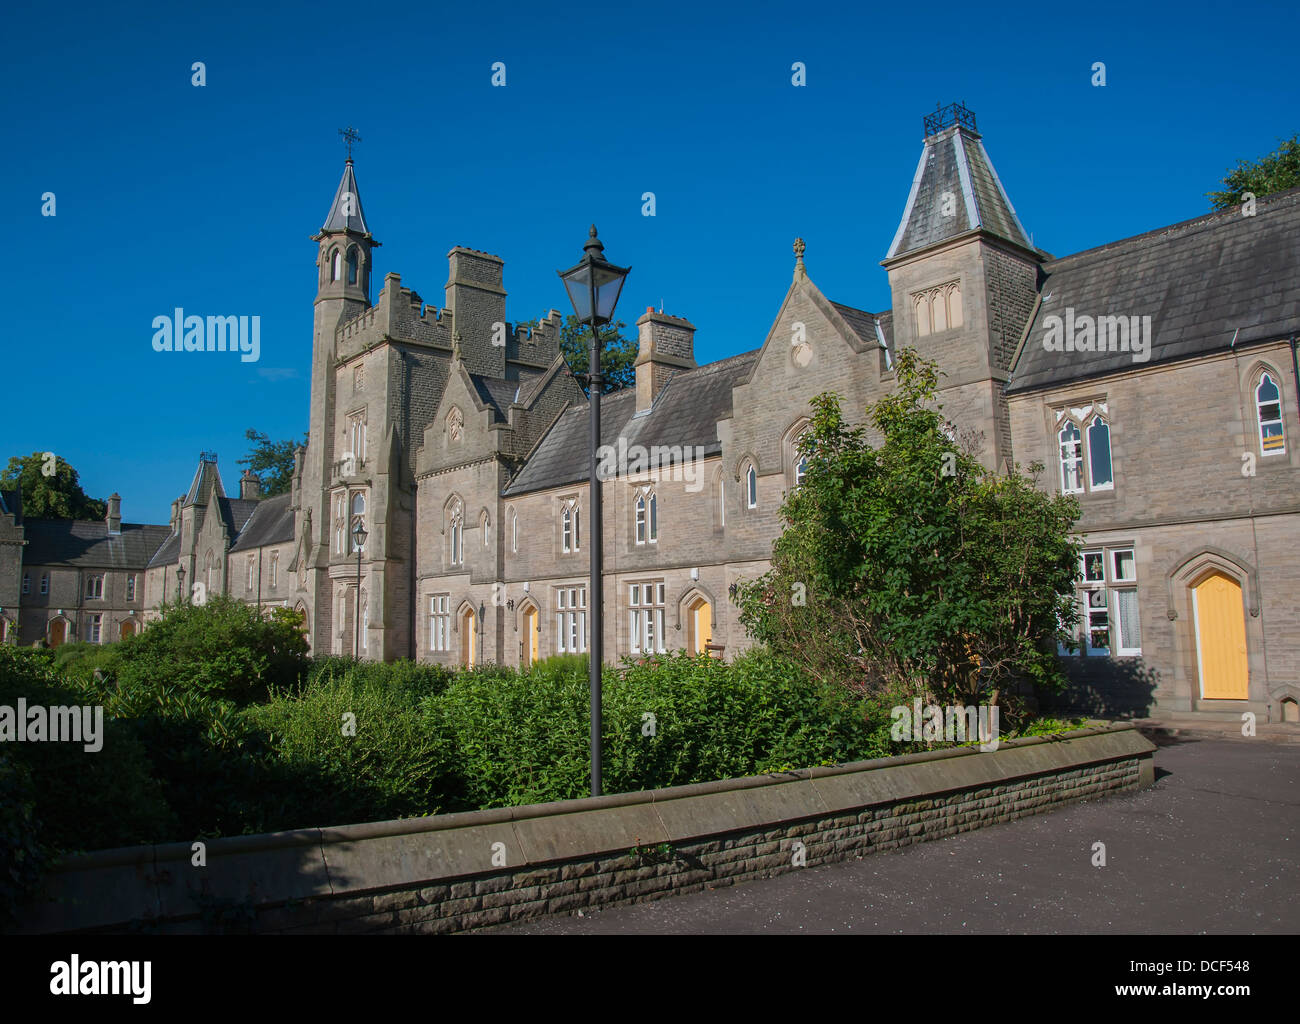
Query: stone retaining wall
column 458, row 872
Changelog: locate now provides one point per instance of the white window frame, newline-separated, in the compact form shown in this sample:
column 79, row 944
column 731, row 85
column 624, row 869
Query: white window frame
column 440, row 622
column 751, row 487
column 486, row 524
column 275, row 569
column 456, row 534
column 513, row 515
column 249, row 581
column 1074, row 460
column 95, row 586
column 570, row 526
column 95, row 628
column 571, row 619
column 1109, row 485
column 1279, row 420
column 646, row 617
column 1110, row 585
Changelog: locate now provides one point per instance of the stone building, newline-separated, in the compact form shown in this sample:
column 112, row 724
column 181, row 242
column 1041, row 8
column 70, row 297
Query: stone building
column 458, row 439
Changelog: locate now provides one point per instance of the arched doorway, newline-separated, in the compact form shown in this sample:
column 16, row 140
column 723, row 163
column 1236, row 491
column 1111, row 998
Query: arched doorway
column 699, row 625
column 127, row 630
column 58, row 632
column 532, row 630
column 468, row 638
column 1220, row 623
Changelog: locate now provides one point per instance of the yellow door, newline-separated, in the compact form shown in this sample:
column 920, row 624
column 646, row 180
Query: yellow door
column 467, row 638
column 1221, row 638
column 530, row 636
column 703, row 627
column 128, row 629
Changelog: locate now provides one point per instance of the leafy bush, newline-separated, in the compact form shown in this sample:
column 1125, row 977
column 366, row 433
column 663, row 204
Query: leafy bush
column 908, row 567
column 223, row 648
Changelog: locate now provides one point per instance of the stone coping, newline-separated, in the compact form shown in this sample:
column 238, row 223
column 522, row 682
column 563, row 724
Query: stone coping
column 328, row 835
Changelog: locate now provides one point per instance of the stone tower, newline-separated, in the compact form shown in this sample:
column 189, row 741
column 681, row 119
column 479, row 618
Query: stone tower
column 344, row 267
column 963, row 275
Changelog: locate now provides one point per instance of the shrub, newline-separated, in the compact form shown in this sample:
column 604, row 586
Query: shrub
column 223, row 648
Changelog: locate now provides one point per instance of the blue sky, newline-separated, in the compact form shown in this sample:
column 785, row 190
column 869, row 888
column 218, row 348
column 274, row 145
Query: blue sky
column 171, row 195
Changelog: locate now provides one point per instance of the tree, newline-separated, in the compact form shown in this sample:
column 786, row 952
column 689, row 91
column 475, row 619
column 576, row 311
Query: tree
column 50, row 488
column 1276, row 172
column 272, row 461
column 908, row 568
column 618, row 354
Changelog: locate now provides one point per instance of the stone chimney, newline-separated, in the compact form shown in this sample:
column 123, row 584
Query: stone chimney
column 665, row 345
column 476, row 296
column 114, row 513
column 250, row 487
column 176, row 513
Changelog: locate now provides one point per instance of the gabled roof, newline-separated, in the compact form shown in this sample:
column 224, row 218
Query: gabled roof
column 169, row 551
column 271, row 522
column 685, row 412
column 89, row 545
column 349, row 216
column 1201, row 281
column 955, row 191
column 235, row 513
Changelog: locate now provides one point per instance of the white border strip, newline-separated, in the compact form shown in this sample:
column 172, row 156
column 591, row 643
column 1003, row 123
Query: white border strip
column 911, row 200
column 963, row 172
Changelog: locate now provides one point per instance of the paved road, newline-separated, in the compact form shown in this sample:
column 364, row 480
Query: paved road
column 1212, row 848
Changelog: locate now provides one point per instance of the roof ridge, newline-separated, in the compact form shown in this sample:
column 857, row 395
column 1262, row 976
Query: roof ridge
column 1202, row 222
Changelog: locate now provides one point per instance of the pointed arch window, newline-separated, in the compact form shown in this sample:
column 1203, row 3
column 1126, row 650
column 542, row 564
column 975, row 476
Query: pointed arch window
column 336, row 265
column 1100, row 477
column 1071, row 458
column 720, row 498
column 647, row 516
column 513, row 518
column 456, row 534
column 354, row 258
column 751, row 487
column 485, row 522
column 1268, row 406
column 570, row 526
column 358, row 509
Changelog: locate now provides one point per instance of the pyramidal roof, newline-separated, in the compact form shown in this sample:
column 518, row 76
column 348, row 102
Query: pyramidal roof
column 955, row 190
column 345, row 212
column 206, row 478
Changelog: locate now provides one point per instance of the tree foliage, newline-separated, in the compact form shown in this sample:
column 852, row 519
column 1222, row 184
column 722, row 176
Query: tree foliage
column 1276, row 172
column 618, row 354
column 55, row 496
column 272, row 461
column 909, row 568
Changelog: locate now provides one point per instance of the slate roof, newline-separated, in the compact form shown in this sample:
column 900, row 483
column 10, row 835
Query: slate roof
column 205, row 478
column 235, row 512
column 271, row 522
column 337, row 220
column 498, row 394
column 871, row 328
column 89, row 545
column 686, row 412
column 168, row 552
column 955, row 161
column 1200, row 281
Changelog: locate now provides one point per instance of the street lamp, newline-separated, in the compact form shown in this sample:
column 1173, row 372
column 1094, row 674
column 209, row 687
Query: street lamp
column 594, row 285
column 180, row 584
column 358, row 541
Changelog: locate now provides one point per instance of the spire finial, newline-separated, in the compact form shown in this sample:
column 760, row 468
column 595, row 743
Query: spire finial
column 594, row 247
column 350, row 136
column 798, row 256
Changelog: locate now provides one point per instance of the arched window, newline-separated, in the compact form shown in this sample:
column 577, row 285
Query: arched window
column 1071, row 459
column 455, row 534
column 353, row 259
column 336, row 265
column 513, row 518
column 954, row 305
column 654, row 518
column 939, row 310
column 720, row 498
column 921, row 309
column 1100, row 477
column 485, row 524
column 640, row 517
column 1268, row 405
column 569, row 526
column 365, row 619
column 751, row 487
column 455, row 424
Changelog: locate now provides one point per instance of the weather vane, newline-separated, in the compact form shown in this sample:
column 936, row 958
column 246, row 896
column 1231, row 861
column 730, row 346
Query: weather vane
column 350, row 136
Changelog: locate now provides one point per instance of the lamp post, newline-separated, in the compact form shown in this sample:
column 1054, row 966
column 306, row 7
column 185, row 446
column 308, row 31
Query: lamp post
column 358, row 541
column 180, row 583
column 594, row 285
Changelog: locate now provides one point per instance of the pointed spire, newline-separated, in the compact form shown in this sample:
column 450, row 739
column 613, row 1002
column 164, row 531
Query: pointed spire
column 345, row 212
column 955, row 190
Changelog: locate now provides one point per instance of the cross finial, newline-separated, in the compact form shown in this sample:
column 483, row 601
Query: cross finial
column 798, row 249
column 350, row 136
